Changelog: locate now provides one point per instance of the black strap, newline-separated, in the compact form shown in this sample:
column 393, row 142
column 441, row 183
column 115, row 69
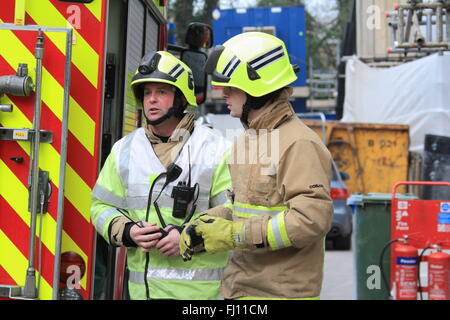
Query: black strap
column 171, row 227
column 126, row 237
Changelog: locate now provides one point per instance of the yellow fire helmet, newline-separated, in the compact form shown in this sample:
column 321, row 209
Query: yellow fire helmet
column 163, row 67
column 255, row 62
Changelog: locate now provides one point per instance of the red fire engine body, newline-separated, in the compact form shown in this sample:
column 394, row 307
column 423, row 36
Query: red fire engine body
column 65, row 68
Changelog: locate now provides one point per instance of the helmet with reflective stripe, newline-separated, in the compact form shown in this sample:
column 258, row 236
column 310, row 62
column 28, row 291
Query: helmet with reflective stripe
column 254, row 62
column 161, row 66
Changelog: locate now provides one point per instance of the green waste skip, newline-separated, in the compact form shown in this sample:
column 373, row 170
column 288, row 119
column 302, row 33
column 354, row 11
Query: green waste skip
column 372, row 225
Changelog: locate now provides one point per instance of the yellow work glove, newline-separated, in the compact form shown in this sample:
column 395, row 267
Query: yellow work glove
column 219, row 234
column 190, row 242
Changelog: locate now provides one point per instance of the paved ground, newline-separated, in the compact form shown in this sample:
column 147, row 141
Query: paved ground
column 339, row 278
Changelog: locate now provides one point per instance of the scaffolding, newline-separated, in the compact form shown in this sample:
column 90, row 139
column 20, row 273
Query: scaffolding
column 322, row 91
column 420, row 27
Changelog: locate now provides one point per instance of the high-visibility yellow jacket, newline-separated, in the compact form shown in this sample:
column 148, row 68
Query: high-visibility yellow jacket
column 124, row 184
column 280, row 172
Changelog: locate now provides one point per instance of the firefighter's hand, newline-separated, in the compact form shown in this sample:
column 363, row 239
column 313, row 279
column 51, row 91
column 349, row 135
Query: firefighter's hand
column 168, row 245
column 219, row 234
column 145, row 237
column 189, row 242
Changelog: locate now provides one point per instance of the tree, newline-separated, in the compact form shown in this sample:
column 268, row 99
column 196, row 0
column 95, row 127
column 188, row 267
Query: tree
column 205, row 15
column 183, row 12
column 344, row 7
column 183, row 15
column 323, row 38
column 319, row 43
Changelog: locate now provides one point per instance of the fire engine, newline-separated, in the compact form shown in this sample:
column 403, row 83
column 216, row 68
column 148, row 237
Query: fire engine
column 65, row 68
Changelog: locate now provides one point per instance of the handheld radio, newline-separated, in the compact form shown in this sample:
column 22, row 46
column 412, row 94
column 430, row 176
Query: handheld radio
column 183, row 194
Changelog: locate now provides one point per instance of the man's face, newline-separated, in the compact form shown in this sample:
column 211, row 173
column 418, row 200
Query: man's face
column 235, row 99
column 158, row 99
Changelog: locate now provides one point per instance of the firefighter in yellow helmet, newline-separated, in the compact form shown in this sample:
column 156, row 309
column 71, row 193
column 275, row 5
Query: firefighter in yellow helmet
column 134, row 203
column 280, row 210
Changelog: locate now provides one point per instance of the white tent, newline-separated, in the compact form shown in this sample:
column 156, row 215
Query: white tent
column 415, row 93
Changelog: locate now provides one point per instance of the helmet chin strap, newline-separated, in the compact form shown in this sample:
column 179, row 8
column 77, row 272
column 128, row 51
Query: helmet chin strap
column 256, row 103
column 163, row 118
column 245, row 112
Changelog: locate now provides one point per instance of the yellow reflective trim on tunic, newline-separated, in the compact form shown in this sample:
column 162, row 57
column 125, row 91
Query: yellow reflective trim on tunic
column 277, row 234
column 271, row 237
column 84, row 57
column 247, row 211
column 244, row 215
column 228, row 205
column 262, row 208
column 80, row 124
column 259, row 298
column 283, row 231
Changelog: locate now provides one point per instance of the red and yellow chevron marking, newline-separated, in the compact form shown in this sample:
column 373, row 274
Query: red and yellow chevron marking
column 83, row 140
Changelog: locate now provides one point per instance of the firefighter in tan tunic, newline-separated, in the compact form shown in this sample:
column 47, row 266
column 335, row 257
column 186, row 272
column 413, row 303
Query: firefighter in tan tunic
column 280, row 208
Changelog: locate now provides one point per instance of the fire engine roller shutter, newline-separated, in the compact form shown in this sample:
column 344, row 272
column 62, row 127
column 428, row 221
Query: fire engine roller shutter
column 88, row 21
column 151, row 33
column 134, row 49
column 139, row 36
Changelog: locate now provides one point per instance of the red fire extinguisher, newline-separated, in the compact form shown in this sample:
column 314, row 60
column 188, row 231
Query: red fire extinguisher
column 406, row 266
column 438, row 276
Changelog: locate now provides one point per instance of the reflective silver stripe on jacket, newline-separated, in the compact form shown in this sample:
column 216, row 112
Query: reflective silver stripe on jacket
column 104, row 216
column 124, row 157
column 258, row 212
column 177, row 274
column 276, row 231
column 218, row 199
column 139, row 203
column 108, row 197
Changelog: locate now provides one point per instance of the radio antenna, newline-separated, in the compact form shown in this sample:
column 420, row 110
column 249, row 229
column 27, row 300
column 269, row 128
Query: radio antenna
column 189, row 159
